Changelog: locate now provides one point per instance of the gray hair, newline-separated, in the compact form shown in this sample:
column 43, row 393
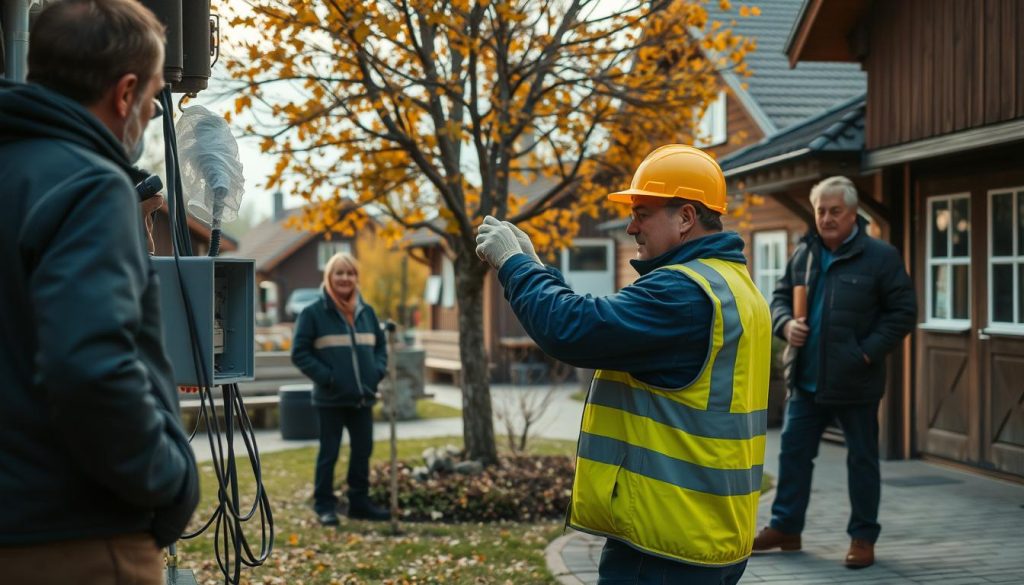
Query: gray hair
column 837, row 185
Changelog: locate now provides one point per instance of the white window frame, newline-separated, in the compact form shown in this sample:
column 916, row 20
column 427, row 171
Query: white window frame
column 327, row 248
column 447, row 282
column 1015, row 260
column 712, row 127
column 609, row 247
column 769, row 238
column 949, row 261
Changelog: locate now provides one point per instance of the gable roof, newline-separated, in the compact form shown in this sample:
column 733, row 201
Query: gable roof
column 839, row 129
column 271, row 241
column 776, row 96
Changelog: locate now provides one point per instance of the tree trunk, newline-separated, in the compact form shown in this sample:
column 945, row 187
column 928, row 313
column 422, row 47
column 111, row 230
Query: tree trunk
column 477, row 417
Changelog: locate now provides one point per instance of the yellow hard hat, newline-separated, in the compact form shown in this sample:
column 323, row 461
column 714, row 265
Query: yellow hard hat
column 677, row 170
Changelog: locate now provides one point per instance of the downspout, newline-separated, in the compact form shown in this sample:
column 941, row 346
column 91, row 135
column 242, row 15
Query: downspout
column 909, row 358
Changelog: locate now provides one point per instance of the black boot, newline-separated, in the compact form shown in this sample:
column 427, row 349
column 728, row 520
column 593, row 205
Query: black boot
column 361, row 508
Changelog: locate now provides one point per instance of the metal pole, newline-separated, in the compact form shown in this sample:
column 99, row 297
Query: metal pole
column 16, row 39
column 392, row 415
column 403, row 312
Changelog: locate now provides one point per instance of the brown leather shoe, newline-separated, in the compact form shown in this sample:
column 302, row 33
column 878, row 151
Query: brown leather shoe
column 860, row 555
column 770, row 538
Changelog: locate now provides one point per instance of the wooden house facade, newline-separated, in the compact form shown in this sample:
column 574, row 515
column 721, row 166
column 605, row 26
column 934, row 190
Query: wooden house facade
column 286, row 259
column 775, row 100
column 941, row 169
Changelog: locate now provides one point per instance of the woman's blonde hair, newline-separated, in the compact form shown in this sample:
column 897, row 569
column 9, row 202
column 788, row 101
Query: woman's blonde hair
column 339, row 257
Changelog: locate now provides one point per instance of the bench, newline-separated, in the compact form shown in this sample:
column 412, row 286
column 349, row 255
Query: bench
column 273, row 369
column 262, row 411
column 442, row 353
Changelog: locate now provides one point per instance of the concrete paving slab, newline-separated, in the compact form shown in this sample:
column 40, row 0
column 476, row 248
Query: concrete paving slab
column 940, row 525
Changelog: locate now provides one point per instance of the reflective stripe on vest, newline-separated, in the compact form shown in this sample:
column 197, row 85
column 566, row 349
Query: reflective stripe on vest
column 677, row 472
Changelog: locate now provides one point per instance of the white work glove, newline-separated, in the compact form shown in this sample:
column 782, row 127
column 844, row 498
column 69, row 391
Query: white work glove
column 524, row 241
column 495, row 243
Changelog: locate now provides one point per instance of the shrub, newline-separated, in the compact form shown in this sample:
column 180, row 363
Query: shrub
column 522, row 489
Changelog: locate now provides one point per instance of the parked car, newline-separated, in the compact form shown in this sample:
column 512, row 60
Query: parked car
column 300, row 299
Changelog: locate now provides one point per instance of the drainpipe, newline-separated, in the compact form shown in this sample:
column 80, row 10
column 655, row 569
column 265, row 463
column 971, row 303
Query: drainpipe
column 16, row 39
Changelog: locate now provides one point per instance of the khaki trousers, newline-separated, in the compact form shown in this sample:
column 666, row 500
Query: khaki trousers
column 128, row 559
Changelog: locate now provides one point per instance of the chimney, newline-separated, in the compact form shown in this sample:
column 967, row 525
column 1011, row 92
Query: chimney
column 278, row 205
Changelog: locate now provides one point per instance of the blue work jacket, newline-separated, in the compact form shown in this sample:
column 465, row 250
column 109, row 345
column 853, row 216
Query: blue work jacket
column 657, row 328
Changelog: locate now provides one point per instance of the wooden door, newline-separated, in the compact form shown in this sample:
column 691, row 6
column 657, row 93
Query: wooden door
column 1001, row 339
column 970, row 344
column 1003, row 444
column 947, row 380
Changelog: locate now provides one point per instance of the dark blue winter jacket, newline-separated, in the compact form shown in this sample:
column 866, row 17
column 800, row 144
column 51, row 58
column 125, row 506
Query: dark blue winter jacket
column 322, row 349
column 90, row 441
column 869, row 307
column 657, row 328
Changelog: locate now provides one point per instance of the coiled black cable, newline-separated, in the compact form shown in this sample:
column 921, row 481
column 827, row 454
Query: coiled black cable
column 231, row 546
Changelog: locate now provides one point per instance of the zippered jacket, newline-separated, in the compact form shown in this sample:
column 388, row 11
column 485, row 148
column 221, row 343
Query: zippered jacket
column 671, row 447
column 869, row 306
column 656, row 328
column 345, row 364
column 90, row 439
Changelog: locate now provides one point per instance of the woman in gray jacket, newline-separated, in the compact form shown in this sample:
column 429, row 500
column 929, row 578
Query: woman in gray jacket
column 339, row 344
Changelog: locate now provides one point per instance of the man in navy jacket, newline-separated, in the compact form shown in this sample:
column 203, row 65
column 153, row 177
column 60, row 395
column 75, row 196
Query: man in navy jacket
column 860, row 303
column 683, row 351
column 95, row 470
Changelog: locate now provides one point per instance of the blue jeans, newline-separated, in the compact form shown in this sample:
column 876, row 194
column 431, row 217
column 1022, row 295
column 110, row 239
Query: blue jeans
column 622, row 564
column 801, row 435
column 333, row 420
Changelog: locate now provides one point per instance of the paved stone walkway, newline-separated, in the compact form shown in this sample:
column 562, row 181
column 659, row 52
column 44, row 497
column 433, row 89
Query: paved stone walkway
column 939, row 526
column 560, row 421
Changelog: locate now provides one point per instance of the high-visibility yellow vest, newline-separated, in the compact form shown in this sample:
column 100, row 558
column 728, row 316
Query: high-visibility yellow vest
column 677, row 472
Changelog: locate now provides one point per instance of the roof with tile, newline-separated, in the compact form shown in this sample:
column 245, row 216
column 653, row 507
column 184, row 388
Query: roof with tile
column 837, row 129
column 775, row 95
column 272, row 241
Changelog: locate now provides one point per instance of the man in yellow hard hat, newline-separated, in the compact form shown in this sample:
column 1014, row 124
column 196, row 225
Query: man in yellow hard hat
column 672, row 439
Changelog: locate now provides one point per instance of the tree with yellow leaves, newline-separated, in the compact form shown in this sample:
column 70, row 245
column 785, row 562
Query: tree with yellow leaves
column 431, row 114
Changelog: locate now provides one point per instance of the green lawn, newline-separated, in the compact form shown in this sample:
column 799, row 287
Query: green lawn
column 424, row 409
column 364, row 552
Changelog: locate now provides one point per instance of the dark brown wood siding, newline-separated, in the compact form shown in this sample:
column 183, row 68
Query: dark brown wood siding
column 740, row 128
column 444, row 318
column 299, row 270
column 941, row 66
column 769, row 215
column 968, row 396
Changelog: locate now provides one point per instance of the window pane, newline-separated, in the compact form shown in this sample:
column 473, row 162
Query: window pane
column 939, row 226
column 1002, row 224
column 588, row 258
column 940, row 292
column 1002, row 293
column 1020, row 223
column 961, row 227
column 961, row 290
column 1020, row 293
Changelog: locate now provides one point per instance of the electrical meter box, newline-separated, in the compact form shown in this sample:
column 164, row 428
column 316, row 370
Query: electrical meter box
column 221, row 294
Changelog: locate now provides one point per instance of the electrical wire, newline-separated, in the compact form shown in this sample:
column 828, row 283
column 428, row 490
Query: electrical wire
column 231, row 546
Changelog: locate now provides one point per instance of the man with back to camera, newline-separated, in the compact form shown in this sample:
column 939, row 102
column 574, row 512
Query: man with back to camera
column 860, row 304
column 95, row 471
column 672, row 440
